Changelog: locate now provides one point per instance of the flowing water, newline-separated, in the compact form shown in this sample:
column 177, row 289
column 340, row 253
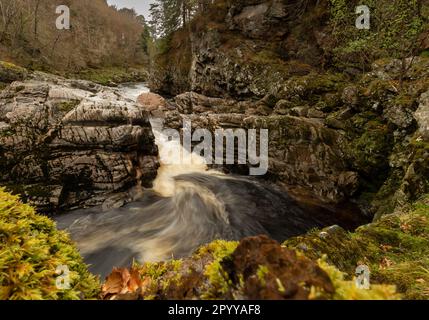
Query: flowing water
column 188, row 206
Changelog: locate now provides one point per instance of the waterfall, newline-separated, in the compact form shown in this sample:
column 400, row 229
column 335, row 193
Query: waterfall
column 188, row 206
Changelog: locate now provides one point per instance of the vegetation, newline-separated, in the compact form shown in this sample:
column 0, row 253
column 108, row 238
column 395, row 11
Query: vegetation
column 31, row 250
column 112, row 75
column 170, row 15
column 99, row 36
column 396, row 31
column 396, row 249
column 214, row 272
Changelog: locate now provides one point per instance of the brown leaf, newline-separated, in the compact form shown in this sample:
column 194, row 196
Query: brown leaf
column 122, row 284
column 116, row 282
column 405, row 227
column 135, row 280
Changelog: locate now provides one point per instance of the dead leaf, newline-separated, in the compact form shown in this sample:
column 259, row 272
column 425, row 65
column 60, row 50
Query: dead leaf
column 134, row 281
column 122, row 283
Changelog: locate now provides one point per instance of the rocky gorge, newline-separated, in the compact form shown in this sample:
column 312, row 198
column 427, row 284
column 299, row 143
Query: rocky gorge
column 355, row 132
column 347, row 182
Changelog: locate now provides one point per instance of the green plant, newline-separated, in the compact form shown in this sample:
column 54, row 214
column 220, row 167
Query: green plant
column 31, row 250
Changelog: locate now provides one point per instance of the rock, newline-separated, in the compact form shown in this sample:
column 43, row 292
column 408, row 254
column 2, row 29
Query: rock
column 350, row 96
column 283, row 106
column 302, row 151
column 422, row 116
column 400, row 116
column 10, row 72
column 152, row 102
column 314, row 113
column 74, row 141
column 286, row 274
column 257, row 268
column 115, row 201
column 299, row 111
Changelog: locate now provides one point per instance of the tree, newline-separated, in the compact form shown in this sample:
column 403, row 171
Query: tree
column 396, row 28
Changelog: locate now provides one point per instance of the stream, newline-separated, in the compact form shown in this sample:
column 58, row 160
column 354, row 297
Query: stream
column 188, row 206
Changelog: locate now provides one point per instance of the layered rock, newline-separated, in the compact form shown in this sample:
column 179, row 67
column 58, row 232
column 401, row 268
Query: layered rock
column 339, row 139
column 67, row 143
column 302, row 151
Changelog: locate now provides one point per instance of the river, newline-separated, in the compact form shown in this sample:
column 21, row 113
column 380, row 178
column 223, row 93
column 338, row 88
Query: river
column 187, row 207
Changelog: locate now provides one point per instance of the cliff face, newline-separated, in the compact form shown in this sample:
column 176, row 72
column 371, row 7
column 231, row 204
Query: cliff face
column 67, row 143
column 344, row 126
column 243, row 49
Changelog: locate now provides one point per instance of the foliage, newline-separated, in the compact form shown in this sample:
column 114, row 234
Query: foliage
column 31, row 249
column 112, row 75
column 170, row 15
column 395, row 31
column 396, row 250
column 100, row 35
column 347, row 289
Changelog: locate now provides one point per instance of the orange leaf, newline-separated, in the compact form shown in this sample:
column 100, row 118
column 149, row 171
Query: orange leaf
column 116, row 282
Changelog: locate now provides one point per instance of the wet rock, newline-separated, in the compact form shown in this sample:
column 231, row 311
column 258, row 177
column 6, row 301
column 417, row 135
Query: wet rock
column 302, row 151
column 76, row 140
column 152, row 102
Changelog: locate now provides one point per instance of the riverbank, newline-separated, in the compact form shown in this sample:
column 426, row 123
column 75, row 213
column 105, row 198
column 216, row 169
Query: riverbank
column 106, row 76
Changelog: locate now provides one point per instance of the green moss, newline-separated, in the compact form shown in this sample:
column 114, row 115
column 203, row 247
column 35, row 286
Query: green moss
column 219, row 282
column 347, row 289
column 396, row 250
column 261, row 273
column 113, row 75
column 425, row 53
column 31, row 249
column 66, row 106
column 370, row 140
column 10, row 72
column 218, row 249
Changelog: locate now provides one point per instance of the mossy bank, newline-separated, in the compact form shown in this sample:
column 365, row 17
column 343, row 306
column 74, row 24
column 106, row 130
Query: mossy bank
column 31, row 252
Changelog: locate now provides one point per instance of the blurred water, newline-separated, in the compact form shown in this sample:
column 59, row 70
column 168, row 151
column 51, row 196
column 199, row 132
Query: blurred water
column 188, row 206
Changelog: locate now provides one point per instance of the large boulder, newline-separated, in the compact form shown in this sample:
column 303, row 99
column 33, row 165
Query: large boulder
column 65, row 143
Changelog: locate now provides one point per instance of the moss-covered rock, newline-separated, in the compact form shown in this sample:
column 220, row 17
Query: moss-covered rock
column 32, row 252
column 396, row 249
column 10, row 72
column 255, row 268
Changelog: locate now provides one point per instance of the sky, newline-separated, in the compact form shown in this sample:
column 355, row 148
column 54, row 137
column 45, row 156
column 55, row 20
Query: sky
column 141, row 6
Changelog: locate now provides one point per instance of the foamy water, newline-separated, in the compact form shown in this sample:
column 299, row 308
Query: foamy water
column 188, row 206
